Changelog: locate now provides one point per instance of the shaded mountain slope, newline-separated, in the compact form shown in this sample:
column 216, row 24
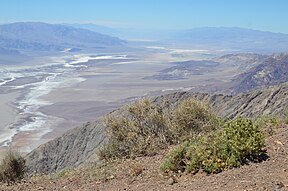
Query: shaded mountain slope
column 272, row 71
column 244, row 61
column 70, row 150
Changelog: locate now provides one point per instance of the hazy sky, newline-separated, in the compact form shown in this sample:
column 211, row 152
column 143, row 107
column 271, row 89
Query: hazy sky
column 269, row 15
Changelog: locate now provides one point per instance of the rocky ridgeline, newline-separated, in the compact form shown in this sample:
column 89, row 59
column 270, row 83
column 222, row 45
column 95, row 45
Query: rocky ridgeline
column 267, row 101
column 80, row 145
column 271, row 71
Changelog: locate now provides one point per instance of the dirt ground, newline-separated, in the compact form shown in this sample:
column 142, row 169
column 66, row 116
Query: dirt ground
column 144, row 174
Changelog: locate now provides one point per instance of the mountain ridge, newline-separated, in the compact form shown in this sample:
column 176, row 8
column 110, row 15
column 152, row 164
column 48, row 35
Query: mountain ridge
column 271, row 71
column 47, row 37
column 234, row 38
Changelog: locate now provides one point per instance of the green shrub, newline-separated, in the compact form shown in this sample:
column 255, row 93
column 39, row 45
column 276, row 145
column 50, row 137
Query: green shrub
column 144, row 127
column 12, row 168
column 176, row 159
column 242, row 139
column 238, row 142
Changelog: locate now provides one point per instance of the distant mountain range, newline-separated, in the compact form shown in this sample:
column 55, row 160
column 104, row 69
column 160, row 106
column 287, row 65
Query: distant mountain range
column 237, row 39
column 232, row 38
column 96, row 28
column 38, row 36
column 8, row 52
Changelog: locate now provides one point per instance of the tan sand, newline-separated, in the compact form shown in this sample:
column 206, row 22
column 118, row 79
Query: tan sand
column 7, row 113
column 7, row 116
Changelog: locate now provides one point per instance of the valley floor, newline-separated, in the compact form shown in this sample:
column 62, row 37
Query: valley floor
column 47, row 96
column 144, row 174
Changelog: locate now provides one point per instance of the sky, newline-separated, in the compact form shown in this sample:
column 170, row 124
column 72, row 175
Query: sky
column 267, row 15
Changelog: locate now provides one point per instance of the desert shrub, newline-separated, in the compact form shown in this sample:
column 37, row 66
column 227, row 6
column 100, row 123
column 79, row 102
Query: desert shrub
column 176, row 160
column 267, row 120
column 238, row 142
column 269, row 123
column 142, row 131
column 273, row 121
column 192, row 117
column 144, row 127
column 242, row 139
column 12, row 168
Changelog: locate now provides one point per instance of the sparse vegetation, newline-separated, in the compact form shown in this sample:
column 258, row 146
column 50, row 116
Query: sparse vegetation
column 146, row 128
column 143, row 131
column 12, row 168
column 269, row 124
column 192, row 117
column 268, row 121
column 238, row 142
column 207, row 144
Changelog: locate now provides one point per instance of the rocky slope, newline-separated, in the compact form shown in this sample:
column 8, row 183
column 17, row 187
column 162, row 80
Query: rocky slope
column 70, row 150
column 271, row 71
column 80, row 145
column 235, row 63
column 183, row 70
column 243, row 61
column 267, row 101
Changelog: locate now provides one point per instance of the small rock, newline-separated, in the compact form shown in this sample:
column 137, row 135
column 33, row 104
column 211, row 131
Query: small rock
column 279, row 185
column 132, row 180
column 111, row 177
column 171, row 181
